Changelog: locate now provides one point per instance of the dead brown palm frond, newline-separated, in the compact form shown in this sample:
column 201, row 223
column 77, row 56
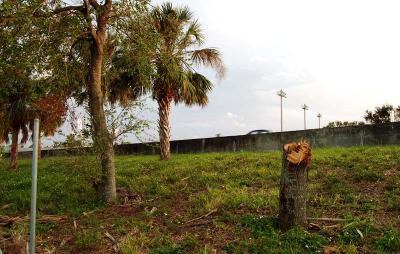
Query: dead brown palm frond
column 210, row 57
column 25, row 134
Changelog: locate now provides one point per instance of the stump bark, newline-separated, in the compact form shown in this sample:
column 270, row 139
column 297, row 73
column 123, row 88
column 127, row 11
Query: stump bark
column 296, row 159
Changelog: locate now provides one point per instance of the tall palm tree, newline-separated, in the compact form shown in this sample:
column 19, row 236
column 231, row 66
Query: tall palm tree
column 160, row 58
column 177, row 54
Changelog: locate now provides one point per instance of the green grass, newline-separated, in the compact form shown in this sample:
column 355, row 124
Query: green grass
column 361, row 184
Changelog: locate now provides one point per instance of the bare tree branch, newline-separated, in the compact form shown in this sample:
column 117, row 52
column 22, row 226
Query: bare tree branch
column 94, row 4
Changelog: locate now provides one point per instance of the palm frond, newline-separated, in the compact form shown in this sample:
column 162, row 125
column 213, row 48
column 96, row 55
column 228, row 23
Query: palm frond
column 209, row 57
column 196, row 90
column 193, row 35
column 184, row 14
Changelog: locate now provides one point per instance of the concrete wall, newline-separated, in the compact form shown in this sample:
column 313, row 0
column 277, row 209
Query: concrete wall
column 377, row 134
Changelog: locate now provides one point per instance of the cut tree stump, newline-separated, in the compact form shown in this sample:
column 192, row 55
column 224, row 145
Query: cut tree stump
column 293, row 187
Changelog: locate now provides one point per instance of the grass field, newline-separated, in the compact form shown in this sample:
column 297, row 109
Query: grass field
column 210, row 203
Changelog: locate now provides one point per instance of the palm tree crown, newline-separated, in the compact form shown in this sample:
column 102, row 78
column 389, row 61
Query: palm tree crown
column 176, row 56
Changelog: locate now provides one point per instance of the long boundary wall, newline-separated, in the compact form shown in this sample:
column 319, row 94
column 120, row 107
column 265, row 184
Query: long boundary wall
column 376, row 134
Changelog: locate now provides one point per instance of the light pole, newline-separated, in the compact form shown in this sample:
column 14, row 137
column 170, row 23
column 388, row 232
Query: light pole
column 304, row 107
column 281, row 94
column 319, row 120
column 32, row 214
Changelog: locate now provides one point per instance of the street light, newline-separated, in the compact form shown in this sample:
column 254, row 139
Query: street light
column 281, row 94
column 319, row 120
column 304, row 107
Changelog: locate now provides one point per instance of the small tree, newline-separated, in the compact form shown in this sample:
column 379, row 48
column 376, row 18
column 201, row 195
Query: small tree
column 15, row 117
column 51, row 110
column 381, row 114
column 126, row 119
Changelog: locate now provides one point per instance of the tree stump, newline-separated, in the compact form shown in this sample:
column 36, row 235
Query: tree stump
column 293, row 187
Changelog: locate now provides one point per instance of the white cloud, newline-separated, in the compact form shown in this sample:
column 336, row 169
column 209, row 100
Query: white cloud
column 230, row 115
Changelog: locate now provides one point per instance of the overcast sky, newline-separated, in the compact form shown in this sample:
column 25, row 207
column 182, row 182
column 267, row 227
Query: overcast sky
column 339, row 57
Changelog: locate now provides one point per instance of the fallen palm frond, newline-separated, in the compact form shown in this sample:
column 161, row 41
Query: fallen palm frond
column 203, row 216
column 8, row 220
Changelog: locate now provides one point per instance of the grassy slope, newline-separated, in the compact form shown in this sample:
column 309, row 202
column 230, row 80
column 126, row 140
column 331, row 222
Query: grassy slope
column 159, row 198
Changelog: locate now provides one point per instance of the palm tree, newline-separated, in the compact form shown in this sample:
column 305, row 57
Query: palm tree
column 15, row 117
column 176, row 56
column 162, row 62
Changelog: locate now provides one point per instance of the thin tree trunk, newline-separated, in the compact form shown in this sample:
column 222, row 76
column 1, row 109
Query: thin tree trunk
column 164, row 108
column 102, row 139
column 14, row 150
column 39, row 146
column 293, row 187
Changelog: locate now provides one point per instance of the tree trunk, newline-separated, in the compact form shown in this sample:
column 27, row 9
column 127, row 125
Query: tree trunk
column 164, row 108
column 39, row 146
column 14, row 150
column 293, row 187
column 103, row 144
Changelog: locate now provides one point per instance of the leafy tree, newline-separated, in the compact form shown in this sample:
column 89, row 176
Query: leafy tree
column 379, row 115
column 81, row 38
column 16, row 71
column 126, row 119
column 122, row 120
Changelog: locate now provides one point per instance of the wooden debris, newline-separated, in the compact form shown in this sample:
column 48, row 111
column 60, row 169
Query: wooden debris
column 16, row 245
column 313, row 226
column 203, row 216
column 327, row 219
column 331, row 250
column 90, row 212
column 7, row 220
column 5, row 206
column 317, row 227
column 109, row 236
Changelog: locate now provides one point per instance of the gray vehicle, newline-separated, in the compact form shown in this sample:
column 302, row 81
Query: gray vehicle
column 255, row 132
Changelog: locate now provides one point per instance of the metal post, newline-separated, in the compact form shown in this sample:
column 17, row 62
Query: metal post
column 282, row 94
column 304, row 107
column 281, row 116
column 319, row 120
column 32, row 219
